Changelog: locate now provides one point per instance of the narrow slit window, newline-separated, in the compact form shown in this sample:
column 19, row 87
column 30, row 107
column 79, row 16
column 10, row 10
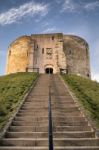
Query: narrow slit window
column 42, row 50
column 52, row 37
column 9, row 52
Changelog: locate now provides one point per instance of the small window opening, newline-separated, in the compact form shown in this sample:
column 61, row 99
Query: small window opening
column 52, row 37
column 86, row 50
column 88, row 75
column 42, row 50
column 70, row 51
column 9, row 52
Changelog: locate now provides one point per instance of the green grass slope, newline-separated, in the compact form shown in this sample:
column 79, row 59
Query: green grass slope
column 12, row 89
column 87, row 92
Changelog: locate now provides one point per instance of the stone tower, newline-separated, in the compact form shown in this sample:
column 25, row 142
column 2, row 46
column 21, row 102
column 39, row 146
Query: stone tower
column 49, row 53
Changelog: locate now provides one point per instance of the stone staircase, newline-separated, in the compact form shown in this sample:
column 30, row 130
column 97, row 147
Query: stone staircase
column 29, row 128
column 71, row 130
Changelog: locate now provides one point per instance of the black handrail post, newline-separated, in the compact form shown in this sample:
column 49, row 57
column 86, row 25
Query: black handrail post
column 50, row 123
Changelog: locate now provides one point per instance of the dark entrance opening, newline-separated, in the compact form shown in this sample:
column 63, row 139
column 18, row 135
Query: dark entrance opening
column 49, row 70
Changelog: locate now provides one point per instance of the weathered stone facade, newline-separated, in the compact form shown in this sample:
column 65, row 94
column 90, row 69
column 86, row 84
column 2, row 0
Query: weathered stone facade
column 49, row 53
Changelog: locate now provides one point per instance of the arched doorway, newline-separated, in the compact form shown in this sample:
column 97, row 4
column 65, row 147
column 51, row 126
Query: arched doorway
column 49, row 70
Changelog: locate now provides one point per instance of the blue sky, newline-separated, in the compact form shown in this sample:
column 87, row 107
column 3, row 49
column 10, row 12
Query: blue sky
column 25, row 17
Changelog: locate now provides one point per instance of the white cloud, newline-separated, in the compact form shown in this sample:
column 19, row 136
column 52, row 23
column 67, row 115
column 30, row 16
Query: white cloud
column 95, row 77
column 50, row 29
column 92, row 5
column 75, row 6
column 96, row 48
column 70, row 6
column 46, row 24
column 95, row 62
column 14, row 15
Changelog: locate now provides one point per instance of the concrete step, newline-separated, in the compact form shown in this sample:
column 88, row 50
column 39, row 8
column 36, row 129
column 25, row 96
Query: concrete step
column 46, row 148
column 55, row 119
column 70, row 118
column 71, row 128
column 71, row 113
column 80, row 134
column 45, row 123
column 45, row 114
column 26, row 135
column 65, row 107
column 63, row 97
column 37, row 99
column 45, row 128
column 31, row 106
column 34, row 109
column 46, row 106
column 61, row 118
column 17, row 118
column 28, row 129
column 68, row 109
column 76, row 148
column 36, row 102
column 76, row 142
column 34, row 105
column 24, row 142
column 75, row 114
column 32, row 115
column 46, row 102
column 77, row 134
column 70, row 123
column 70, row 104
column 29, row 123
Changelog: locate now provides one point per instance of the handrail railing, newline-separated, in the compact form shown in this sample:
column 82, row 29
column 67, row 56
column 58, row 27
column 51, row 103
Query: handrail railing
column 50, row 122
column 31, row 69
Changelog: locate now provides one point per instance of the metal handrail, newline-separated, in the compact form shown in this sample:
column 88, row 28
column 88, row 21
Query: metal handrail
column 50, row 122
column 32, row 69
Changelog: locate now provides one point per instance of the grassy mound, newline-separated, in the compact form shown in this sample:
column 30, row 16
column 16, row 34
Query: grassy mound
column 87, row 92
column 12, row 89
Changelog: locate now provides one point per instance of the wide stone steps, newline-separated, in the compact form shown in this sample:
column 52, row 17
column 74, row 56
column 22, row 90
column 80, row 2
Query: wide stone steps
column 54, row 118
column 76, row 142
column 76, row 127
column 43, row 123
column 79, row 134
column 29, row 128
column 45, row 128
column 28, row 123
column 46, row 148
column 67, row 110
column 44, row 142
column 24, row 142
column 27, row 134
column 57, row 114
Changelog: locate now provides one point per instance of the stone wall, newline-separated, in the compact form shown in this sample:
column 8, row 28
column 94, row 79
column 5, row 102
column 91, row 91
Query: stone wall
column 77, row 55
column 17, row 59
column 46, row 44
column 56, row 51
